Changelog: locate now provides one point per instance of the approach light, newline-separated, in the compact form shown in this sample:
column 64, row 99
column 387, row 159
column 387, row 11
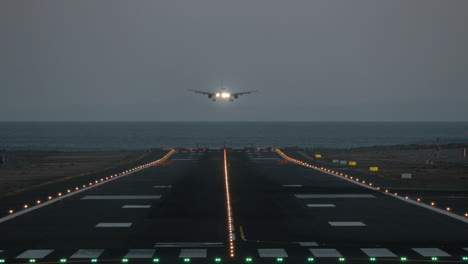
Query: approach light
column 218, row 95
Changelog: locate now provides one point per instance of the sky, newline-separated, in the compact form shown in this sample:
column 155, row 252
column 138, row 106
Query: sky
column 311, row 60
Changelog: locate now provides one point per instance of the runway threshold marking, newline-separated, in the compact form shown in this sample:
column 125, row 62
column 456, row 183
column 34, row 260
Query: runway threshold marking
column 193, row 253
column 56, row 199
column 272, row 253
column 87, row 254
column 371, row 187
column 325, row 253
column 231, row 235
column 431, row 252
column 140, row 253
column 378, row 252
column 34, row 254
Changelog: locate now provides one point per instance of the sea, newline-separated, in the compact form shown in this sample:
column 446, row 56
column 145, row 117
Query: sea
column 92, row 136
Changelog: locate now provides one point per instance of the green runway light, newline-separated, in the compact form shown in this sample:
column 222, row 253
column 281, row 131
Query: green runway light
column 155, row 260
column 403, row 259
column 341, row 259
column 63, row 260
column 125, row 260
column 217, row 259
column 310, row 259
column 94, row 260
column 464, row 258
column 279, row 260
column 186, row 260
column 248, row 259
column 434, row 258
column 2, row 261
column 372, row 259
column 32, row 260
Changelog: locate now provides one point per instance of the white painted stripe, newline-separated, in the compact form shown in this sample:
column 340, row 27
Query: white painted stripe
column 272, row 253
column 140, row 253
column 193, row 253
column 87, row 253
column 30, row 209
column 333, row 196
column 321, row 205
column 292, row 185
column 423, row 205
column 346, row 223
column 34, row 254
column 162, row 186
column 308, row 244
column 130, row 206
column 189, row 244
column 325, row 253
column 114, row 225
column 431, row 252
column 378, row 252
column 121, row 197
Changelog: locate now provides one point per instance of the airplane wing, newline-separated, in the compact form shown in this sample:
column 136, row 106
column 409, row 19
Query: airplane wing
column 248, row 92
column 201, row 92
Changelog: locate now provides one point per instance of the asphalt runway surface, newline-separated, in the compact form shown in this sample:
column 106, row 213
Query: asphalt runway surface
column 176, row 212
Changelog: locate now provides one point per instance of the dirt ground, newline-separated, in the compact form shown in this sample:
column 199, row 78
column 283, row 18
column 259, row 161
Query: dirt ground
column 23, row 170
column 430, row 167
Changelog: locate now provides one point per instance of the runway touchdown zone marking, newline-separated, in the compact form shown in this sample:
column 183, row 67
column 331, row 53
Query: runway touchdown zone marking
column 346, row 223
column 140, row 253
column 87, row 254
column 34, row 254
column 114, row 225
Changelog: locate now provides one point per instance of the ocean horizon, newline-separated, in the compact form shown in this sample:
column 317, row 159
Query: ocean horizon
column 135, row 135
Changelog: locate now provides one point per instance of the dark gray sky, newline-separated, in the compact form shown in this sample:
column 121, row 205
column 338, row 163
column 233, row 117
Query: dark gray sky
column 317, row 60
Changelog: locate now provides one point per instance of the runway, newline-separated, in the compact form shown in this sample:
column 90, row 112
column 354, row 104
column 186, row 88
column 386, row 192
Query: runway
column 176, row 210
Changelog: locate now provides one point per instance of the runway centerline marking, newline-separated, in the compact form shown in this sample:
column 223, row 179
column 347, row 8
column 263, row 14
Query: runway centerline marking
column 346, row 223
column 113, row 225
column 292, row 185
column 308, row 244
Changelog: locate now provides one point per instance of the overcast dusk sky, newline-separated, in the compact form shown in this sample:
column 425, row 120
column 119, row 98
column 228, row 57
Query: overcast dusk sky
column 312, row 60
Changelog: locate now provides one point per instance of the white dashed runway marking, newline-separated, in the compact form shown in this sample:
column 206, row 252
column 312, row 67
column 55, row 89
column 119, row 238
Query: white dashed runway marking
column 333, row 196
column 325, row 253
column 121, row 197
column 162, row 186
column 272, row 253
column 135, row 206
column 378, row 252
column 308, row 244
column 87, row 253
column 431, row 252
column 292, row 185
column 193, row 253
column 34, row 254
column 114, row 225
column 347, row 224
column 321, row 205
column 140, row 253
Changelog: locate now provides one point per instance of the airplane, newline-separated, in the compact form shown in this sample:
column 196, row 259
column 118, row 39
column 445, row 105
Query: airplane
column 222, row 94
